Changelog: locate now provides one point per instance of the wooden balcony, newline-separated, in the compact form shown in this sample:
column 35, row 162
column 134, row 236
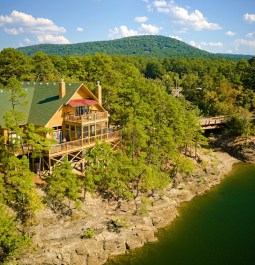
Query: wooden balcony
column 71, row 146
column 87, row 118
column 77, row 145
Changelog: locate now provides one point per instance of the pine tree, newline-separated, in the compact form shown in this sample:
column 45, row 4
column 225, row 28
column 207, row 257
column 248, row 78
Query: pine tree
column 12, row 242
column 19, row 189
column 62, row 185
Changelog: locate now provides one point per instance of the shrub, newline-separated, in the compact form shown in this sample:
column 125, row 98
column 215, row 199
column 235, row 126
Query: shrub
column 115, row 224
column 89, row 233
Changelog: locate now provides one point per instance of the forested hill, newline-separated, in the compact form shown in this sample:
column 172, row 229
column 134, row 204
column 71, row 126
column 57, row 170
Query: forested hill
column 145, row 46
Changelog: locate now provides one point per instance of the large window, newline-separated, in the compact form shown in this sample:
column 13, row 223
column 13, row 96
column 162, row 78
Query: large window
column 92, row 130
column 98, row 128
column 78, row 132
column 81, row 110
column 85, row 131
column 57, row 133
column 73, row 136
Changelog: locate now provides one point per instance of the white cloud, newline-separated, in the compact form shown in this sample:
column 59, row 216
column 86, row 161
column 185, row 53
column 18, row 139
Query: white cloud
column 29, row 24
column 204, row 44
column 250, row 35
column 45, row 30
column 244, row 42
column 159, row 3
column 52, row 39
column 212, row 44
column 149, row 8
column 141, row 19
column 26, row 42
column 176, row 37
column 230, row 33
column 122, row 31
column 150, row 29
column 181, row 16
column 248, row 41
column 193, row 43
column 14, row 31
column 249, row 17
column 183, row 30
column 79, row 29
column 163, row 10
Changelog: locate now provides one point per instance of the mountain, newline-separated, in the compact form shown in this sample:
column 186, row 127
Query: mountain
column 150, row 46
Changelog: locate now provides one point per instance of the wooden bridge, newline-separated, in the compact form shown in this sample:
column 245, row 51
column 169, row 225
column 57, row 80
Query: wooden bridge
column 209, row 123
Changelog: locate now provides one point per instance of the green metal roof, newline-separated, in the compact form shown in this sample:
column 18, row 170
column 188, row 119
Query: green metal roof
column 42, row 101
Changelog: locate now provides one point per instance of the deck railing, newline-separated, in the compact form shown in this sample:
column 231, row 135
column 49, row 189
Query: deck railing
column 85, row 118
column 213, row 121
column 83, row 143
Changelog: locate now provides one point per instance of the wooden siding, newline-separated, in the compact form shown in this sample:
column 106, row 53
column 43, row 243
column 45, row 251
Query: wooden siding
column 82, row 92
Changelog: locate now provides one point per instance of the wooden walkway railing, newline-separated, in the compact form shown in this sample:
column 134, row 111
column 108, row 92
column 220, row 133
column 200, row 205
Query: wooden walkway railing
column 83, row 143
column 213, row 122
column 86, row 118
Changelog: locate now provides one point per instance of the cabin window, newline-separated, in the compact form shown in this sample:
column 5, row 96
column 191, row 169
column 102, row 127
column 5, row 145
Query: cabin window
column 57, row 133
column 85, row 131
column 14, row 138
column 81, row 110
column 73, row 136
column 68, row 135
column 98, row 128
column 78, row 132
column 92, row 130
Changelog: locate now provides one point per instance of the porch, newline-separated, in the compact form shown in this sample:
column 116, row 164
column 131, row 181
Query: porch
column 87, row 118
column 83, row 143
column 75, row 151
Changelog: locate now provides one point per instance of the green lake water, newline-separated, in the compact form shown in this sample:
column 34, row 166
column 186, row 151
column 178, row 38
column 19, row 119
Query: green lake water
column 217, row 228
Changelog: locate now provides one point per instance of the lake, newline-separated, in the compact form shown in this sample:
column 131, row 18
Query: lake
column 216, row 228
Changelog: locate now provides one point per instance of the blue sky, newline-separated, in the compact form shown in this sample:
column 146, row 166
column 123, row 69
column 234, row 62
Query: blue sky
column 225, row 26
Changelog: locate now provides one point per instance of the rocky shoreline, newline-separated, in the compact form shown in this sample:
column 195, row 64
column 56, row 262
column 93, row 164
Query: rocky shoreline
column 60, row 241
column 240, row 147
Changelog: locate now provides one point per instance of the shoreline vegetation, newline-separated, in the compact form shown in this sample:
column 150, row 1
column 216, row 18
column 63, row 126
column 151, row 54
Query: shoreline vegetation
column 157, row 104
column 101, row 230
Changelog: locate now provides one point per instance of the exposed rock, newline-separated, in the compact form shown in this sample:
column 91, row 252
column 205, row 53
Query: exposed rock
column 135, row 241
column 78, row 259
column 164, row 217
column 81, row 249
column 240, row 147
column 59, row 240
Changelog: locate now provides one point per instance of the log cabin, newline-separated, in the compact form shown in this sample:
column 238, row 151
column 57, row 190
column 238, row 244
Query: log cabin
column 76, row 116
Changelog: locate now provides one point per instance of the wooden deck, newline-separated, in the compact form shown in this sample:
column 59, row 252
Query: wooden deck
column 87, row 118
column 71, row 146
column 80, row 144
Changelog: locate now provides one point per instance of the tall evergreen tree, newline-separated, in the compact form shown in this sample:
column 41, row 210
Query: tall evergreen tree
column 19, row 190
column 62, row 186
column 12, row 242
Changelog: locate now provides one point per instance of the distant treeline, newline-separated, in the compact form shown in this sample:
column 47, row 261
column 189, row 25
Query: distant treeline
column 216, row 86
column 144, row 46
